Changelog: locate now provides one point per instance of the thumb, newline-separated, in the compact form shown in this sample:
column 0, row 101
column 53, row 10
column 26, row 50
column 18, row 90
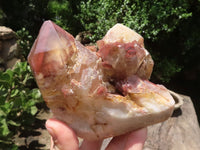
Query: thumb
column 63, row 137
column 130, row 141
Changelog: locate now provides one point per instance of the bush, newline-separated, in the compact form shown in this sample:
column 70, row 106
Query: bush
column 17, row 103
column 25, row 42
column 63, row 13
column 149, row 18
column 30, row 14
column 161, row 23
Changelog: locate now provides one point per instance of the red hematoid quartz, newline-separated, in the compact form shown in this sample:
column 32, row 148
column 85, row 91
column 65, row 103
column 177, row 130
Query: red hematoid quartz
column 80, row 85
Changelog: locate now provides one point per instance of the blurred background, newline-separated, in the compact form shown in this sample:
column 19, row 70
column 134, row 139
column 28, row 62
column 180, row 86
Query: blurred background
column 171, row 31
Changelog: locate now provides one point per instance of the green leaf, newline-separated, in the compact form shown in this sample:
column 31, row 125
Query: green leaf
column 3, row 94
column 34, row 110
column 17, row 102
column 6, row 108
column 2, row 113
column 20, row 67
column 4, row 77
column 26, row 78
column 9, row 72
column 14, row 92
column 5, row 130
column 14, row 147
column 16, row 69
column 11, row 122
column 35, row 93
column 5, row 141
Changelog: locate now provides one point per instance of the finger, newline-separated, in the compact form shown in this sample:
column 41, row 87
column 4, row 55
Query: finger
column 136, row 140
column 91, row 145
column 63, row 137
column 130, row 141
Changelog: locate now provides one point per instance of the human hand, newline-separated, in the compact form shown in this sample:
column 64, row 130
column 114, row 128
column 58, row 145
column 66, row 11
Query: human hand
column 64, row 138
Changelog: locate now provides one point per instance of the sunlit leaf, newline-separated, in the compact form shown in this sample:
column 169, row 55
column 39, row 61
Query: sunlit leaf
column 11, row 122
column 14, row 92
column 5, row 130
column 34, row 110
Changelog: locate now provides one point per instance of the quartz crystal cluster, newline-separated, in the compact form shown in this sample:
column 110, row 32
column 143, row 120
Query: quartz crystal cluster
column 99, row 93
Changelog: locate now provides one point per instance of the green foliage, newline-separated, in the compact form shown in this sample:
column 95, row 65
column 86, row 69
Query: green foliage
column 165, row 69
column 17, row 102
column 60, row 12
column 149, row 18
column 25, row 42
column 63, row 12
column 98, row 16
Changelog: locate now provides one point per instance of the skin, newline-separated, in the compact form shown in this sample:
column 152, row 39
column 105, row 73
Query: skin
column 64, row 138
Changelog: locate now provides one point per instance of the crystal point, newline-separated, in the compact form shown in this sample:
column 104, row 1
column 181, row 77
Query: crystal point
column 51, row 49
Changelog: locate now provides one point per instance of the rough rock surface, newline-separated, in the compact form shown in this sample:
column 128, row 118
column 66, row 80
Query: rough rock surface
column 8, row 48
column 179, row 132
column 6, row 33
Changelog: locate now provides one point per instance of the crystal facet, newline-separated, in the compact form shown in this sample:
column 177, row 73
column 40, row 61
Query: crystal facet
column 98, row 94
column 51, row 50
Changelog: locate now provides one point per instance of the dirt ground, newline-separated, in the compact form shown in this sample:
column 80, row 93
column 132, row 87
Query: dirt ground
column 37, row 138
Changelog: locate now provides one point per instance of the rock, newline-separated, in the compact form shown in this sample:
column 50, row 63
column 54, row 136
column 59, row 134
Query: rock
column 8, row 47
column 1, row 61
column 1, row 47
column 83, row 37
column 2, row 66
column 6, row 33
column 10, row 63
column 180, row 132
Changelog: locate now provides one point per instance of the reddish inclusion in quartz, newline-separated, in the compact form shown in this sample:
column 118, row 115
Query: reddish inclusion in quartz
column 49, row 50
column 121, row 60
